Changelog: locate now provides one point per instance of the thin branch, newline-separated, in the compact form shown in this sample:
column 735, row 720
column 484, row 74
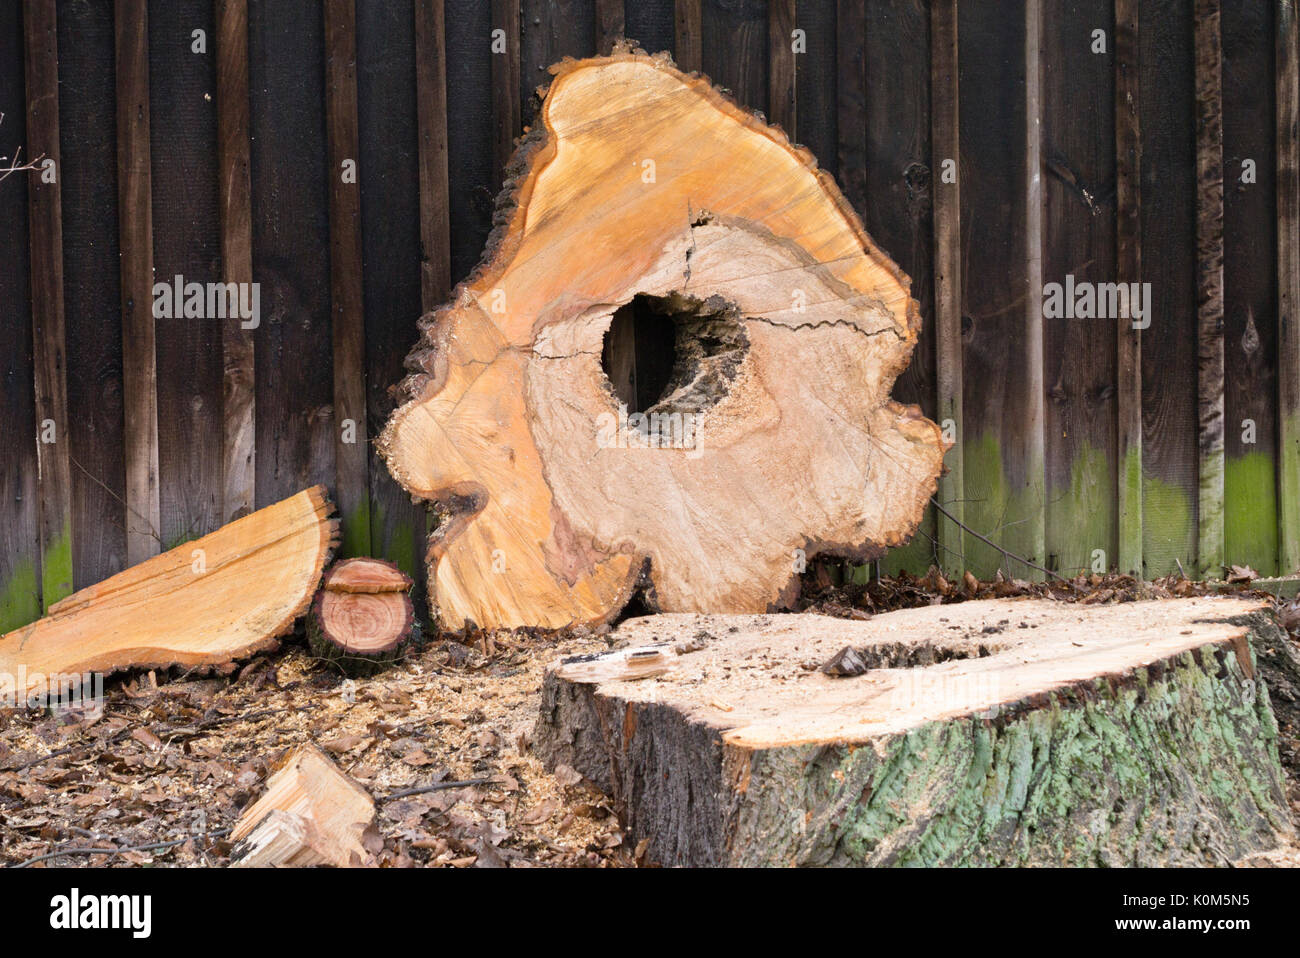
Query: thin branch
column 440, row 786
column 987, row 541
column 14, row 166
column 152, row 846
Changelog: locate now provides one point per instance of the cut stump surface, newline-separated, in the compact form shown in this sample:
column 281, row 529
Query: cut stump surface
column 774, row 439
column 990, row 733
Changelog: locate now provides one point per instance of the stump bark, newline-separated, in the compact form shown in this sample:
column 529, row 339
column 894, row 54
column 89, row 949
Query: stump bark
column 645, row 199
column 986, row 733
column 362, row 619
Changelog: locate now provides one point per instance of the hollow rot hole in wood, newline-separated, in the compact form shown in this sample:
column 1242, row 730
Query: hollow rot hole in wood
column 674, row 353
column 855, row 660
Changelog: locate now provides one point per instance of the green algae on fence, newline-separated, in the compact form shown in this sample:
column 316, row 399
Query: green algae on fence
column 1289, row 496
column 355, row 527
column 398, row 543
column 56, row 571
column 918, row 555
column 1250, row 513
column 20, row 597
column 1081, row 516
column 1168, row 528
column 1081, row 519
column 1004, row 514
column 1129, row 512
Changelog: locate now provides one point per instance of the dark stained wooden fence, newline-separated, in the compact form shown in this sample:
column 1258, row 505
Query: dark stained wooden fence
column 345, row 155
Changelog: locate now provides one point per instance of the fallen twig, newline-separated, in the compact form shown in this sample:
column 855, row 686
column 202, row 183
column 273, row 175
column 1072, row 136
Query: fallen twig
column 440, row 786
column 188, row 731
column 152, row 846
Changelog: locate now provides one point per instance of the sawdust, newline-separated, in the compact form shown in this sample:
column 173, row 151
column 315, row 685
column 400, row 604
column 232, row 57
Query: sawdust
column 178, row 760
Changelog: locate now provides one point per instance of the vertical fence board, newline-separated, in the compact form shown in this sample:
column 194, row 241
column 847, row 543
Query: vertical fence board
column 135, row 226
column 49, row 344
column 91, row 289
column 899, row 186
column 689, row 28
column 851, row 102
column 609, row 24
column 348, row 326
column 431, row 108
column 1002, row 425
column 239, row 413
column 1078, row 241
column 816, row 71
column 734, row 48
column 186, row 244
column 1168, row 214
column 295, row 417
column 505, row 81
column 945, row 148
column 1288, row 279
column 391, row 199
column 1031, row 312
column 1128, row 270
column 1209, row 288
column 549, row 31
column 469, row 140
column 1250, row 302
column 650, row 24
column 20, row 540
column 781, row 99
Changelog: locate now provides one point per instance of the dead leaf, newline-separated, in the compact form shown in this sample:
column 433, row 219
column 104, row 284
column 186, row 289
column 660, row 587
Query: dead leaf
column 147, row 739
column 342, row 744
column 567, row 775
column 540, row 813
column 1240, row 573
column 488, row 856
column 372, row 840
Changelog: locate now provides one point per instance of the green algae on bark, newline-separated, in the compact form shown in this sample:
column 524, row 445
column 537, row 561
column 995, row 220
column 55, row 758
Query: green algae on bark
column 1175, row 766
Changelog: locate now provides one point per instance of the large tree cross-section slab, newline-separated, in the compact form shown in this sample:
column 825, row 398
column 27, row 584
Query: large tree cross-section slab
column 774, row 438
column 985, row 733
column 218, row 598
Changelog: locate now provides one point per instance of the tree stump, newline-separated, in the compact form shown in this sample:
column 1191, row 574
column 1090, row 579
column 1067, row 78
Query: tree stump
column 987, row 733
column 741, row 423
column 362, row 619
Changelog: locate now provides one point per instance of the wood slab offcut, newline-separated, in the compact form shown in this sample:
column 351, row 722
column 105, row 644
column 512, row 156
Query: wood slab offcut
column 774, row 439
column 210, row 601
column 984, row 733
column 310, row 814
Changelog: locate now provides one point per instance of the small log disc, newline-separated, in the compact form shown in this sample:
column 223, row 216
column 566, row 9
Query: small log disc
column 362, row 619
